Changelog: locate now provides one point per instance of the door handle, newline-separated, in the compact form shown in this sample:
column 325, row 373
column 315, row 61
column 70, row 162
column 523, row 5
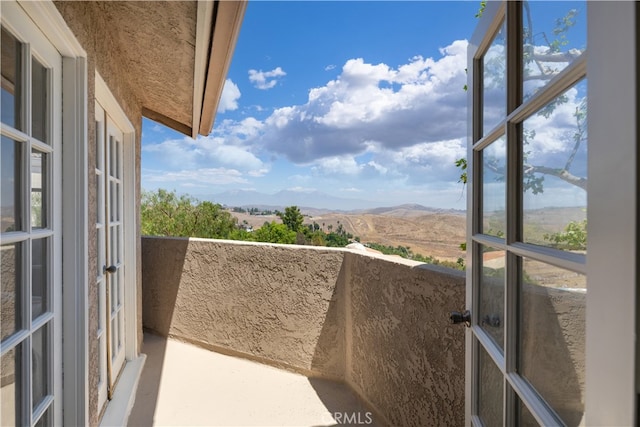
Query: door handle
column 111, row 269
column 465, row 317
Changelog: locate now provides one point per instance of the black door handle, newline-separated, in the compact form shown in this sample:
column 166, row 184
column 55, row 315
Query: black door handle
column 110, row 269
column 456, row 317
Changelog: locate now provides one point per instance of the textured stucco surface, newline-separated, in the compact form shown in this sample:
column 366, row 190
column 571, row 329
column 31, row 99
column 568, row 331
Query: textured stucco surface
column 87, row 24
column 274, row 303
column 404, row 356
column 379, row 324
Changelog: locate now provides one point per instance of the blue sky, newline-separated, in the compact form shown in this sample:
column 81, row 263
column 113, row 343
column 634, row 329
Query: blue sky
column 359, row 100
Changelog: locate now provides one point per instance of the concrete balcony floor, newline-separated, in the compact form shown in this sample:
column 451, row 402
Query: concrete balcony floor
column 184, row 385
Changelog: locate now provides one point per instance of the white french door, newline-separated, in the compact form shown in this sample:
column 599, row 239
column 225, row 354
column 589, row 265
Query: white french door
column 111, row 265
column 553, row 142
column 528, row 215
column 30, row 225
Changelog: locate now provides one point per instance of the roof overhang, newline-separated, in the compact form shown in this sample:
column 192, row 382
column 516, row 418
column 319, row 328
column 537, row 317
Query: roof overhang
column 218, row 28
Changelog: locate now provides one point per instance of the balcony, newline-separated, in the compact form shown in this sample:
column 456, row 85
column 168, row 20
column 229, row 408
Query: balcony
column 350, row 333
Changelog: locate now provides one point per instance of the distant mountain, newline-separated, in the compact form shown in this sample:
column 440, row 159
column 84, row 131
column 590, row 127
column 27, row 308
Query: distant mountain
column 284, row 198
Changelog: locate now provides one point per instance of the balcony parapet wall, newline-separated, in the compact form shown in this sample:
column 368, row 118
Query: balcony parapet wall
column 378, row 323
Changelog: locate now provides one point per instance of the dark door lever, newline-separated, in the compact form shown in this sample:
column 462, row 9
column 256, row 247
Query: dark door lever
column 456, row 317
column 111, row 269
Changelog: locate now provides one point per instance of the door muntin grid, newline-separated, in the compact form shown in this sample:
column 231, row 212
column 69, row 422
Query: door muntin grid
column 31, row 74
column 521, row 244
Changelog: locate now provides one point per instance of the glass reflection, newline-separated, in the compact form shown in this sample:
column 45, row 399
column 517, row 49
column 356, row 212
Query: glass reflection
column 10, row 194
column 555, row 172
column 494, row 156
column 490, row 390
column 11, row 387
column 554, row 36
column 11, row 69
column 39, row 277
column 494, row 94
column 10, row 312
column 552, row 336
column 39, row 99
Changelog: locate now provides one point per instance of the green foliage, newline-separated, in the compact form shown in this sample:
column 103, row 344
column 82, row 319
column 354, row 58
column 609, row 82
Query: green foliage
column 163, row 213
column 271, row 232
column 574, row 236
column 292, row 218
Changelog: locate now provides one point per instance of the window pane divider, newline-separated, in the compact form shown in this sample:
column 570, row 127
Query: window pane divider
column 41, row 146
column 492, row 136
column 489, row 345
column 41, row 320
column 41, row 408
column 13, row 133
column 534, row 403
column 487, row 240
column 13, row 237
column 567, row 260
column 11, row 342
column 556, row 87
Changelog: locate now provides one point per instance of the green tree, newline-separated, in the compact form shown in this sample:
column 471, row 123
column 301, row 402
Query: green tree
column 292, row 218
column 272, row 232
column 163, row 213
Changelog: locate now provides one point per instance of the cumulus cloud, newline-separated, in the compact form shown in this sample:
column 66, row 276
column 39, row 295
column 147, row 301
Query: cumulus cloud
column 229, row 97
column 421, row 101
column 266, row 79
column 200, row 178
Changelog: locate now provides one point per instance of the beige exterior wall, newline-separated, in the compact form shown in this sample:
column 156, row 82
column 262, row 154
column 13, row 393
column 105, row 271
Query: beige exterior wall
column 379, row 324
column 84, row 21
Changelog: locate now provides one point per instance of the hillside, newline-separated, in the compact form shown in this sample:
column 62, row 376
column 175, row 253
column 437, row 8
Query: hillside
column 426, row 231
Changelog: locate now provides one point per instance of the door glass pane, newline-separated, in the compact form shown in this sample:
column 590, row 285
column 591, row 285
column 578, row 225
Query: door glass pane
column 45, row 420
column 40, row 364
column 525, row 418
column 11, row 388
column 38, row 189
column 39, row 100
column 10, row 277
column 555, row 172
column 39, row 277
column 11, row 66
column 494, row 187
column 552, row 336
column 554, row 35
column 11, row 200
column 491, row 309
column 490, row 390
column 494, row 95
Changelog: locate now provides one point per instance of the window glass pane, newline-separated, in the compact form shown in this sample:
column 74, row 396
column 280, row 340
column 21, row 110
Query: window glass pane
column 11, row 388
column 10, row 194
column 552, row 336
column 491, row 315
column 45, row 419
column 39, row 277
column 525, row 418
column 554, row 35
column 10, row 277
column 555, row 172
column 494, row 188
column 40, row 364
column 38, row 189
column 494, row 95
column 490, row 390
column 39, row 99
column 11, row 66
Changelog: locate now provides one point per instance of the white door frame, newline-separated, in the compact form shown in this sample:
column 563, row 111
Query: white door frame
column 74, row 353
column 119, row 407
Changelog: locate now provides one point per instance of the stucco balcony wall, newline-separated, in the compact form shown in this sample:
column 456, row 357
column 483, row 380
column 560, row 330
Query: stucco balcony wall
column 377, row 323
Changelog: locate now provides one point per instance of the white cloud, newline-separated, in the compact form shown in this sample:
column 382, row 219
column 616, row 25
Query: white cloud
column 229, row 97
column 193, row 177
column 422, row 101
column 266, row 79
column 329, row 67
